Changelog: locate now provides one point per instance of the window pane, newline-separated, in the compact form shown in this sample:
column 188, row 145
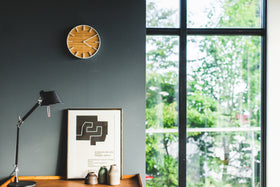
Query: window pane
column 161, row 111
column 223, row 13
column 224, row 158
column 162, row 13
column 223, row 110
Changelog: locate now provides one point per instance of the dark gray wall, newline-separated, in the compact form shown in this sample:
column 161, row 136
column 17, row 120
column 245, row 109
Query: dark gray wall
column 34, row 57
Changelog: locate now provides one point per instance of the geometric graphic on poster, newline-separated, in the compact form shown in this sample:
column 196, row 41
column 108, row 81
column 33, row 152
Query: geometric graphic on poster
column 89, row 128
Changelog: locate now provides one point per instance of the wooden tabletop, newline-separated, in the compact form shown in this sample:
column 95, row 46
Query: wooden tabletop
column 57, row 181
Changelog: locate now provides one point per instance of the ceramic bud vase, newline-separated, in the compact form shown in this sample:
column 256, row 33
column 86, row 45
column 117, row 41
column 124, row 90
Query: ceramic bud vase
column 114, row 175
column 91, row 178
column 102, row 175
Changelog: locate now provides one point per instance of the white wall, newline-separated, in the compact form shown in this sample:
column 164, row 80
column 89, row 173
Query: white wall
column 273, row 95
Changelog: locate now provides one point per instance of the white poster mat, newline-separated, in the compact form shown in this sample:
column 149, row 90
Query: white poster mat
column 102, row 141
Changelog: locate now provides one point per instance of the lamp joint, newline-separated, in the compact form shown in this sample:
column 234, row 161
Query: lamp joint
column 39, row 101
column 20, row 122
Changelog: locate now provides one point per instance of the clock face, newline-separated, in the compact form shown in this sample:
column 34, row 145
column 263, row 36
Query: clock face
column 83, row 41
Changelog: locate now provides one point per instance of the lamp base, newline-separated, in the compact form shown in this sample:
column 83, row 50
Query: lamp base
column 22, row 184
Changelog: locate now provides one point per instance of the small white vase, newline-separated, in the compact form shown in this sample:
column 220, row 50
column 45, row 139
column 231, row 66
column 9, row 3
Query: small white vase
column 114, row 175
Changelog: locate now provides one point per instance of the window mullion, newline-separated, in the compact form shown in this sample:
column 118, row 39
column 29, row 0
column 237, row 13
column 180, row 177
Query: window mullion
column 264, row 94
column 182, row 95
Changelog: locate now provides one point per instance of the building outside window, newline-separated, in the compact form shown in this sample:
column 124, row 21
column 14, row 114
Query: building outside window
column 205, row 93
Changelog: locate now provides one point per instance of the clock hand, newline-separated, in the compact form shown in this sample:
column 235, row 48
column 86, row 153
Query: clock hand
column 87, row 43
column 90, row 38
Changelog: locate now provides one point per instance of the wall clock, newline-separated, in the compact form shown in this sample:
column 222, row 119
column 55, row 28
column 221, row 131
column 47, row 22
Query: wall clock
column 83, row 41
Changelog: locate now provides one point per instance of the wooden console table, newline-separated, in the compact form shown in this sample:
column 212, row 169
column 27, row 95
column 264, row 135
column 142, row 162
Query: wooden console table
column 58, row 181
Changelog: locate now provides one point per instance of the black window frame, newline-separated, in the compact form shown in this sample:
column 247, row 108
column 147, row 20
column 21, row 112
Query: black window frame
column 183, row 32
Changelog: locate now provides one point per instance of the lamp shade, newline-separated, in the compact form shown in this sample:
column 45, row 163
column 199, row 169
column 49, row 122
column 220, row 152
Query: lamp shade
column 49, row 98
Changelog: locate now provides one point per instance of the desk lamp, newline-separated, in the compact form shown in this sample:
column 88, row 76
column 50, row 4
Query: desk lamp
column 45, row 99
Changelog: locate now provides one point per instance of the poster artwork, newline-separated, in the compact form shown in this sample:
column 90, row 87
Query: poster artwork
column 89, row 128
column 94, row 140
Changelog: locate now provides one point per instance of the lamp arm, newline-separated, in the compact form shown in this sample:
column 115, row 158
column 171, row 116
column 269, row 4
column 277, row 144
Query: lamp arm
column 29, row 112
column 18, row 128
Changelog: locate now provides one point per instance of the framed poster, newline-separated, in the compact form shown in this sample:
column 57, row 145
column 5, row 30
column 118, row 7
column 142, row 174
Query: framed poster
column 94, row 140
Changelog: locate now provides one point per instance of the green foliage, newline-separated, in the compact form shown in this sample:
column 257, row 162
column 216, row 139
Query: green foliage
column 201, row 110
column 241, row 13
column 157, row 18
column 162, row 115
column 168, row 176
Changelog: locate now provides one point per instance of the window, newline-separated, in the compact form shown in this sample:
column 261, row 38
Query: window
column 205, row 93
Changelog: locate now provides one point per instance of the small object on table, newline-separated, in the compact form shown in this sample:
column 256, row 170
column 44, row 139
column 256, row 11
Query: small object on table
column 114, row 175
column 102, row 175
column 91, row 178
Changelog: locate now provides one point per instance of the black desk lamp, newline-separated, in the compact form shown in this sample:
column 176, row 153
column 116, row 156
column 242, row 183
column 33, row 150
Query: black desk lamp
column 45, row 99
